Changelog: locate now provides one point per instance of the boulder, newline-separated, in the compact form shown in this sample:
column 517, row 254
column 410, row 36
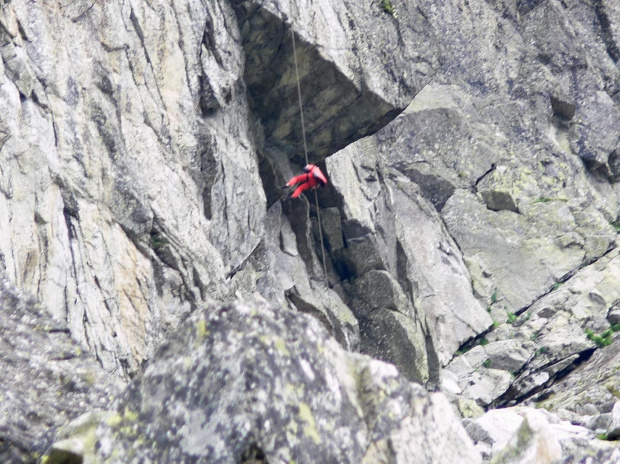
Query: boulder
column 527, row 435
column 48, row 379
column 248, row 381
column 613, row 430
column 533, row 443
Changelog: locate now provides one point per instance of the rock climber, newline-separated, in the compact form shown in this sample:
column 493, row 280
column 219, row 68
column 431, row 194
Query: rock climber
column 312, row 178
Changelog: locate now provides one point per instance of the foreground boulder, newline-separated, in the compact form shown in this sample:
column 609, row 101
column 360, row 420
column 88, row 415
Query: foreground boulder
column 47, row 380
column 257, row 384
column 535, row 436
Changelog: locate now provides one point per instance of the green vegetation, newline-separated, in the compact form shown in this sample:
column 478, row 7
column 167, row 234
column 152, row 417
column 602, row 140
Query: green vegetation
column 548, row 199
column 615, row 328
column 543, row 405
column 602, row 436
column 616, row 225
column 158, row 241
column 543, row 350
column 487, row 363
column 387, row 7
column 613, row 390
column 604, row 339
column 464, row 349
column 535, row 336
column 511, row 318
column 557, row 285
column 494, row 297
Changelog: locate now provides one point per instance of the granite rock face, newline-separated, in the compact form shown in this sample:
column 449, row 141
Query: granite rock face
column 467, row 235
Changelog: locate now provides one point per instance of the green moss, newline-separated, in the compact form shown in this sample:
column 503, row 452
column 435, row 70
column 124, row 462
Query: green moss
column 548, row 199
column 615, row 328
column 613, row 390
column 542, row 350
column 387, row 7
column 602, row 436
column 607, row 334
column 542, row 405
column 602, row 340
column 114, row 420
column 158, row 241
column 494, row 297
column 130, row 415
column 484, row 342
column 511, row 318
column 201, row 329
column 556, row 285
column 310, row 430
column 281, row 346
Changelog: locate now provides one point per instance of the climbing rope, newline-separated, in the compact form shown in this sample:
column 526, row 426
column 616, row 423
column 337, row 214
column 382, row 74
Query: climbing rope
column 303, row 133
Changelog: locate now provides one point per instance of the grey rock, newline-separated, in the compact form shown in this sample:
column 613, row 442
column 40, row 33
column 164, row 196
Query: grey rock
column 613, row 316
column 599, row 422
column 509, row 355
column 595, row 134
column 602, row 456
column 403, row 232
column 333, row 40
column 477, row 378
column 534, row 442
column 142, row 146
column 291, row 252
column 393, row 337
column 486, row 385
column 530, row 435
column 331, row 222
column 490, row 240
column 495, row 428
column 246, row 381
column 613, row 431
column 377, row 289
column 498, row 200
column 558, row 326
column 48, row 379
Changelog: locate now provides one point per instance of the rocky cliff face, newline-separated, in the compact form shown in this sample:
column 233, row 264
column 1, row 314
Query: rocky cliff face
column 469, row 229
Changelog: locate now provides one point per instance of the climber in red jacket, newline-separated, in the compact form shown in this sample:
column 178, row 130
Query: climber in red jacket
column 312, row 178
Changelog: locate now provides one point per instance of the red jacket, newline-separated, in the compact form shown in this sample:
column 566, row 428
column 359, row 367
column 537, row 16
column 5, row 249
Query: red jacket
column 312, row 178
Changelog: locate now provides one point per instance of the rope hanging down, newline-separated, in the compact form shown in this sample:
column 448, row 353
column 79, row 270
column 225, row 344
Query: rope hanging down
column 303, row 133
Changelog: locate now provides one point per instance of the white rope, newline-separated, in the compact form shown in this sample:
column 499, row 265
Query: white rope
column 303, row 133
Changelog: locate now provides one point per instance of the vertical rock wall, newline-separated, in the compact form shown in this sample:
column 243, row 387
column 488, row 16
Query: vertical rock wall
column 129, row 176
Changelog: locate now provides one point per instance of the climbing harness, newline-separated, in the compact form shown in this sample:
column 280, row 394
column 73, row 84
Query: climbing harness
column 303, row 133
